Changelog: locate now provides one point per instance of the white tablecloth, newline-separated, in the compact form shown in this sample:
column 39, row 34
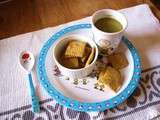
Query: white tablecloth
column 143, row 31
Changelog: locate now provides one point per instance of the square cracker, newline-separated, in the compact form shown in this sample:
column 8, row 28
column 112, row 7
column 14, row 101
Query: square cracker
column 86, row 54
column 116, row 81
column 91, row 57
column 118, row 60
column 70, row 62
column 105, row 77
column 111, row 77
column 75, row 49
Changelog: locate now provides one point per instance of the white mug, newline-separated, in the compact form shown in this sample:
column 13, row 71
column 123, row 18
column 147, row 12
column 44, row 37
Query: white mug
column 106, row 41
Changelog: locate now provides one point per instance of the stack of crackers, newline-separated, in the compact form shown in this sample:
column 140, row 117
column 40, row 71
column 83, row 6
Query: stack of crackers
column 78, row 54
column 110, row 75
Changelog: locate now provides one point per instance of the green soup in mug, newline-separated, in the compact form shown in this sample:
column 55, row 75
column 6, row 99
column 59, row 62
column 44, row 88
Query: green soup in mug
column 109, row 25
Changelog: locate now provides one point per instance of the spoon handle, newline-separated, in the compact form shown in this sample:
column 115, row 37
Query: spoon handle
column 35, row 101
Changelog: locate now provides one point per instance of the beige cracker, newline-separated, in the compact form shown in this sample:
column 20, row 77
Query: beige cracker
column 75, row 49
column 86, row 54
column 70, row 62
column 111, row 77
column 118, row 60
column 91, row 57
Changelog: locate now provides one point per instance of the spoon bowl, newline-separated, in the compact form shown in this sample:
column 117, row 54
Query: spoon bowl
column 27, row 60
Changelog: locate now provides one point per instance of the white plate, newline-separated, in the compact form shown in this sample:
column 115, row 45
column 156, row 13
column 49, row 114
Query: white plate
column 84, row 97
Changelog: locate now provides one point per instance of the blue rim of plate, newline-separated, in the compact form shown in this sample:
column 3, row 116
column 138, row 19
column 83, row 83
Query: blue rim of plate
column 86, row 106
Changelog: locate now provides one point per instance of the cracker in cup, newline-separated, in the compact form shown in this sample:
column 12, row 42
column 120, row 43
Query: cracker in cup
column 91, row 57
column 86, row 54
column 78, row 54
column 70, row 62
column 75, row 49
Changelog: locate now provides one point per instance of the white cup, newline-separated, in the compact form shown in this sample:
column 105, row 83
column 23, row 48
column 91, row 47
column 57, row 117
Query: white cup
column 74, row 73
column 108, row 42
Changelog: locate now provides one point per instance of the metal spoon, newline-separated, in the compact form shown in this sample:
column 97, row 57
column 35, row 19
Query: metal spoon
column 27, row 61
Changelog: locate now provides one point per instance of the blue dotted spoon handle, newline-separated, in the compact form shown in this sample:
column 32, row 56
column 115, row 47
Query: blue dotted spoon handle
column 35, row 101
